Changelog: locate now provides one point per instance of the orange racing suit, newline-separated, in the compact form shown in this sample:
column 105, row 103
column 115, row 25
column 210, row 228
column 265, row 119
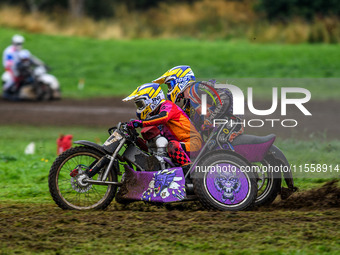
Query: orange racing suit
column 178, row 129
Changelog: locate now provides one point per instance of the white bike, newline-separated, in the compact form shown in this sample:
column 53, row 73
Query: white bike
column 34, row 85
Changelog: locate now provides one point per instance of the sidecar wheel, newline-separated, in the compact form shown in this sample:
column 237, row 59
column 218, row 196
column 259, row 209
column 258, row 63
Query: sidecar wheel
column 67, row 192
column 225, row 186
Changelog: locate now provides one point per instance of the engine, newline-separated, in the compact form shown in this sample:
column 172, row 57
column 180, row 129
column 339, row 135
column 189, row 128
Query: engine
column 158, row 145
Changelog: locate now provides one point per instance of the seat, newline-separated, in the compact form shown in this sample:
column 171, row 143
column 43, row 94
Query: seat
column 254, row 148
column 252, row 139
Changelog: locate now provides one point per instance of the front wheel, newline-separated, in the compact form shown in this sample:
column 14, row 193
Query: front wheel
column 71, row 192
column 225, row 182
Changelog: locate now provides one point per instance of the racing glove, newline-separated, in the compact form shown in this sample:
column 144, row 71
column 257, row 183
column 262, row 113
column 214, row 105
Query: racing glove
column 134, row 124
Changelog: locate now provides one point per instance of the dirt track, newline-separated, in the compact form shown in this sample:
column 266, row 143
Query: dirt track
column 106, row 112
column 144, row 229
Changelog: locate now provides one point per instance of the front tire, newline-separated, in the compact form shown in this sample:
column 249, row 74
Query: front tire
column 227, row 189
column 67, row 192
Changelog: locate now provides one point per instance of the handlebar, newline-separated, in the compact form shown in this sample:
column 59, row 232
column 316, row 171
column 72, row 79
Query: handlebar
column 122, row 126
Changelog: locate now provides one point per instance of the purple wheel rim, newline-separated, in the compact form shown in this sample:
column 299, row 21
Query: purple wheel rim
column 227, row 184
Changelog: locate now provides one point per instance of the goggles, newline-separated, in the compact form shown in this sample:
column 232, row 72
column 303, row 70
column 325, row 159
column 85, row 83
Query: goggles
column 140, row 103
column 171, row 82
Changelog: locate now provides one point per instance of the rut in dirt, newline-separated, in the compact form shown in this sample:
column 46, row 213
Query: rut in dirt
column 327, row 196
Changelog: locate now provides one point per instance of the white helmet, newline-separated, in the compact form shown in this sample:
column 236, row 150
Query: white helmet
column 24, row 54
column 18, row 39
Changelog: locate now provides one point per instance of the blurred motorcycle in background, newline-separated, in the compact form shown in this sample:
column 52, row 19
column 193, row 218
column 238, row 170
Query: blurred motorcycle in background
column 33, row 84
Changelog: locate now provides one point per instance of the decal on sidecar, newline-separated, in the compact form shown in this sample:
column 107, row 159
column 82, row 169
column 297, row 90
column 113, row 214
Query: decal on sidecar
column 166, row 186
column 157, row 186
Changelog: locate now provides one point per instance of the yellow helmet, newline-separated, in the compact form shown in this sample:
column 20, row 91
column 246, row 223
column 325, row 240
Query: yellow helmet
column 147, row 98
column 177, row 79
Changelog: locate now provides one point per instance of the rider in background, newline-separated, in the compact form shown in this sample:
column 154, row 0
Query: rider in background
column 187, row 93
column 27, row 62
column 154, row 110
column 11, row 59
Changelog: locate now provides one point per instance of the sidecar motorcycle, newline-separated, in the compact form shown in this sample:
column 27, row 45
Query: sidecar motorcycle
column 34, row 85
column 89, row 176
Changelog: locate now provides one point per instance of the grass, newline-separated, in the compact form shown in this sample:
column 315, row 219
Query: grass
column 117, row 67
column 24, row 177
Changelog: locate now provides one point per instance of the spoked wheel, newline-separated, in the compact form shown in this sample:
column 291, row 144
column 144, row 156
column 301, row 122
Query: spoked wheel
column 74, row 192
column 268, row 184
column 225, row 185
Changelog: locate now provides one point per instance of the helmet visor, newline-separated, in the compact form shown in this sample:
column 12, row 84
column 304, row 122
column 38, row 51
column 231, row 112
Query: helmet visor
column 170, row 88
column 140, row 103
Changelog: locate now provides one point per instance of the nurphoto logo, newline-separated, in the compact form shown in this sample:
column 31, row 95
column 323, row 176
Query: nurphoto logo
column 239, row 102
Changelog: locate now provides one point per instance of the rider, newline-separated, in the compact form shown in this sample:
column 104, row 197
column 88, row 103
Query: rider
column 26, row 64
column 12, row 56
column 154, row 110
column 187, row 93
column 10, row 59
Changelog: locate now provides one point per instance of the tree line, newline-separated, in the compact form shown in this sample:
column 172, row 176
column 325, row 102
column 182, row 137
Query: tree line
column 101, row 9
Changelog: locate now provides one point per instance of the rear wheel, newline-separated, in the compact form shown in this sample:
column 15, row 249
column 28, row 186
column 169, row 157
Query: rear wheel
column 74, row 192
column 44, row 92
column 268, row 184
column 226, row 184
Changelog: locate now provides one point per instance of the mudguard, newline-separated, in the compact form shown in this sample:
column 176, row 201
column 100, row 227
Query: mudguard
column 256, row 148
column 50, row 80
column 162, row 186
column 92, row 145
column 287, row 173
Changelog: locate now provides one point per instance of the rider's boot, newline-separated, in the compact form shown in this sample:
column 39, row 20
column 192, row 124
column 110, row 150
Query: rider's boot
column 186, row 168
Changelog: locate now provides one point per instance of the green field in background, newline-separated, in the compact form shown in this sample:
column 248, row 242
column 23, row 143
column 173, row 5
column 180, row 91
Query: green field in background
column 24, row 177
column 117, row 67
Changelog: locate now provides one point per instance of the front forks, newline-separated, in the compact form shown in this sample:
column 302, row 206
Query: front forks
column 105, row 160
